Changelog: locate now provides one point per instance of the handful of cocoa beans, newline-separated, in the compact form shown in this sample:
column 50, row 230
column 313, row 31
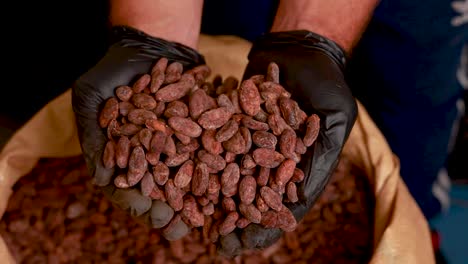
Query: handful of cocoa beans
column 220, row 155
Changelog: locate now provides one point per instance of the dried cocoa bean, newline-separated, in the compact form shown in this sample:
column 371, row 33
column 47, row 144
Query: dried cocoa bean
column 129, row 129
column 122, row 152
column 145, row 136
column 202, row 200
column 160, row 108
column 261, row 205
column 300, row 147
column 272, row 107
column 227, row 131
column 190, row 213
column 234, row 96
column 250, row 212
column 158, row 142
column 170, row 148
column 183, row 138
column 261, row 116
column 160, row 173
column 121, row 181
column 177, row 90
column 214, row 186
column 269, row 219
column 277, row 124
column 224, row 101
column 288, row 111
column 242, row 223
column 173, row 72
column 291, row 192
column 185, row 126
column 214, row 233
column 192, row 146
column 253, row 124
column 257, row 79
column 156, row 125
column 210, row 143
column 200, row 102
column 230, row 83
column 229, row 204
column 208, row 209
column 285, row 172
column 144, row 101
column 153, row 158
column 113, row 129
column 247, row 189
column 177, row 159
column 263, row 176
column 267, row 157
column 147, row 184
column 174, row 195
column 158, row 74
column 247, row 138
column 248, row 162
column 275, row 89
column 229, row 223
column 236, row 144
column 286, row 220
column 298, row 175
column 200, row 179
column 264, row 139
column 109, row 112
column 139, row 116
column 124, row 92
column 141, row 83
column 215, row 118
column 287, row 143
column 272, row 73
column 158, row 194
column 271, row 198
column 137, row 166
column 135, row 141
column 211, row 160
column 229, row 179
column 249, row 98
column 229, row 157
column 184, row 174
column 312, row 130
column 176, row 108
column 108, row 157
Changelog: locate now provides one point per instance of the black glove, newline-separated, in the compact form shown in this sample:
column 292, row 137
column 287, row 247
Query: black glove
column 131, row 53
column 311, row 69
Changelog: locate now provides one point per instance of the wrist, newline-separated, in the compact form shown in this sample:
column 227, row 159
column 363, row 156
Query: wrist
column 169, row 20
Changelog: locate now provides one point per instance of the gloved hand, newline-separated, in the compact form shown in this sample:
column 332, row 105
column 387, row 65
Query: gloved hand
column 131, row 53
column 311, row 69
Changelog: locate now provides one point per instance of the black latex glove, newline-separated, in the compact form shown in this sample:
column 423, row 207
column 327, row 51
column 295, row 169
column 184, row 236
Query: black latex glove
column 311, row 69
column 131, row 53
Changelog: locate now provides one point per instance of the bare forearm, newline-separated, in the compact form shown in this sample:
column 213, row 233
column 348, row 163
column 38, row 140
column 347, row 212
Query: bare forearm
column 342, row 21
column 175, row 20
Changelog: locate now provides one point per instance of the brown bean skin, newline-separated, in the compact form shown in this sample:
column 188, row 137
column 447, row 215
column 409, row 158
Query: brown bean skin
column 248, row 162
column 257, row 79
column 300, row 147
column 108, row 156
column 170, row 146
column 291, row 192
column 184, row 139
column 298, row 175
column 253, row 124
column 156, row 125
column 139, row 116
column 160, row 173
column 215, row 118
column 141, row 83
column 145, row 136
column 236, row 144
column 275, row 89
column 263, row 176
column 185, row 126
column 242, row 223
column 267, row 157
column 192, row 146
column 121, row 181
column 234, row 96
column 250, row 212
column 227, row 131
column 285, row 172
column 137, row 166
column 190, row 212
column 174, row 195
column 229, row 179
column 173, row 72
column 202, row 200
column 214, row 185
column 158, row 142
column 261, row 205
column 147, row 184
column 109, row 112
column 184, row 174
column 177, row 90
column 124, row 93
column 229, row 157
column 129, row 129
column 176, row 108
column 113, row 129
column 200, row 102
column 269, row 219
column 245, row 132
column 224, row 101
column 264, row 139
column 210, row 143
column 272, row 73
column 247, row 187
column 144, row 101
column 229, row 223
column 213, row 161
column 158, row 74
column 153, row 158
column 271, row 198
column 122, row 152
column 277, row 124
column 287, row 143
column 200, row 179
column 312, row 130
column 177, row 159
column 249, row 98
column 229, row 204
column 208, row 209
column 286, row 220
column 288, row 111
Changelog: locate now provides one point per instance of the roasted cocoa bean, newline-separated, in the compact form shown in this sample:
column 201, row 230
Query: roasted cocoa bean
column 236, row 144
column 271, row 198
column 176, row 108
column 214, row 119
column 250, row 212
column 287, row 143
column 124, row 92
column 211, row 160
column 185, row 126
column 145, row 137
column 184, row 174
column 177, row 90
column 144, row 101
column 264, row 139
column 140, row 116
column 312, row 130
column 247, row 187
column 229, row 179
column 200, row 102
column 173, row 72
column 291, row 192
column 249, row 98
column 267, row 157
column 137, row 166
column 147, row 184
column 177, row 159
column 190, row 147
column 190, row 212
column 158, row 74
column 200, row 179
column 141, row 83
column 174, row 195
column 227, row 131
column 253, row 124
column 122, row 152
column 229, row 223
column 160, row 173
column 272, row 73
column 285, row 172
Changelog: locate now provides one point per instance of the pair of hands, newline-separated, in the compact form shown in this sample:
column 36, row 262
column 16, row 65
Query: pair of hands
column 311, row 68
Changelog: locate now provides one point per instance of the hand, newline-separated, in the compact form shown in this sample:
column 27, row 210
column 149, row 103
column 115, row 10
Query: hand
column 311, row 68
column 132, row 53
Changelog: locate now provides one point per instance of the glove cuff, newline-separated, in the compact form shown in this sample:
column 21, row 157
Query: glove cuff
column 304, row 38
column 150, row 46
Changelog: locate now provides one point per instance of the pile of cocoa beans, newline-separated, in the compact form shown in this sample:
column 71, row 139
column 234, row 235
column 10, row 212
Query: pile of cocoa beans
column 216, row 149
column 56, row 215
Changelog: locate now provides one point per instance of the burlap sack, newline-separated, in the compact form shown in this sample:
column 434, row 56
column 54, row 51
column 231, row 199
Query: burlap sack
column 401, row 231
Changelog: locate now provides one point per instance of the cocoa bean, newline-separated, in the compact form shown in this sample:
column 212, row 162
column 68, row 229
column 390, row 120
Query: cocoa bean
column 247, row 187
column 287, row 143
column 109, row 112
column 229, row 204
column 200, row 102
column 145, row 137
column 176, row 108
column 291, row 192
column 211, row 160
column 253, row 124
column 250, row 212
column 227, row 131
column 122, row 152
column 263, row 176
column 312, row 130
column 229, row 179
column 272, row 73
column 200, row 179
column 158, row 74
column 190, row 212
column 147, row 184
column 236, row 144
column 264, row 139
column 124, row 92
column 129, row 129
column 177, row 159
column 108, row 156
column 175, row 91
column 160, row 173
column 184, row 174
column 229, row 223
column 249, row 98
column 173, row 72
column 141, row 83
column 285, row 172
column 192, row 146
column 144, row 101
column 215, row 118
column 174, row 195
column 267, row 157
column 185, row 126
column 140, row 116
column 271, row 198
